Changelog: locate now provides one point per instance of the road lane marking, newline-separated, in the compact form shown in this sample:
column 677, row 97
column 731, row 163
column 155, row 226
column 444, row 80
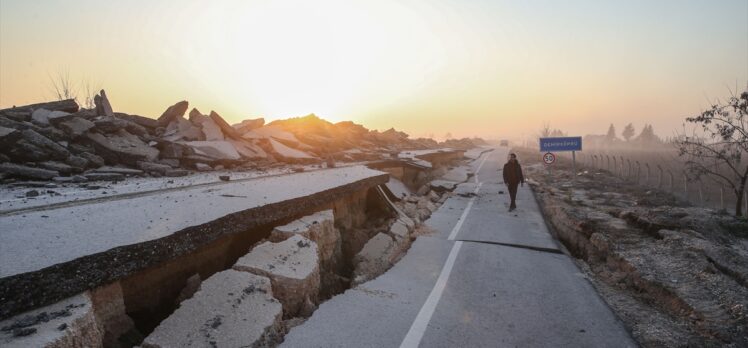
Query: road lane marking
column 415, row 334
column 462, row 218
column 418, row 328
column 475, row 177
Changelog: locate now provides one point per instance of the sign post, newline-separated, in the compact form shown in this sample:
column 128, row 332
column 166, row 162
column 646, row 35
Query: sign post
column 555, row 144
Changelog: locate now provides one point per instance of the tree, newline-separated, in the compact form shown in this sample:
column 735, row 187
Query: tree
column 648, row 136
column 545, row 130
column 720, row 152
column 628, row 132
column 611, row 133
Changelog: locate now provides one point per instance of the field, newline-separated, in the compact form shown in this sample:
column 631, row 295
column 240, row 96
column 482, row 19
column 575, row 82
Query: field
column 657, row 168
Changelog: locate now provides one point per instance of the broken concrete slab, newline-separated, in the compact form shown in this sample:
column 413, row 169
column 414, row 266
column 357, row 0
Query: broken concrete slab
column 271, row 131
column 231, row 309
column 103, row 107
column 62, row 168
column 76, row 127
column 318, row 227
column 247, row 149
column 93, row 159
column 8, row 136
column 122, row 245
column 227, row 130
column 374, row 259
column 42, row 116
column 27, row 172
column 150, row 167
column 202, row 167
column 248, row 125
column 67, row 105
column 122, row 147
column 68, row 323
column 55, row 150
column 398, row 189
column 118, row 170
column 293, row 268
column 182, row 129
column 290, row 154
column 109, row 124
column 174, row 111
column 442, row 185
column 222, row 150
column 143, row 121
column 210, row 129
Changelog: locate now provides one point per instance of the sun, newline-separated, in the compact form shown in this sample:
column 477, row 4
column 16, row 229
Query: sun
column 293, row 58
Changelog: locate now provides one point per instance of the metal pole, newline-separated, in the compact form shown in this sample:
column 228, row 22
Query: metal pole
column 573, row 165
column 659, row 180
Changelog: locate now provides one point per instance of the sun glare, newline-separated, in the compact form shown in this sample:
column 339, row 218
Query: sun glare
column 295, row 58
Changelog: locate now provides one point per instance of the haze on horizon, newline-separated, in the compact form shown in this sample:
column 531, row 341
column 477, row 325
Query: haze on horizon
column 479, row 68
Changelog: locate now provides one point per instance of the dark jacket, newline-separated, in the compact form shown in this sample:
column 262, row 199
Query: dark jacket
column 513, row 173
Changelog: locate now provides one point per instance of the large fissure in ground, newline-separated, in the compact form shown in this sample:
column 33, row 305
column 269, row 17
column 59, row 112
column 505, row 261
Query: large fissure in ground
column 152, row 295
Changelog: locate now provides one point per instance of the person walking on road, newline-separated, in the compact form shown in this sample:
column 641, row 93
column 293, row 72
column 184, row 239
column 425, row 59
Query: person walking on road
column 512, row 178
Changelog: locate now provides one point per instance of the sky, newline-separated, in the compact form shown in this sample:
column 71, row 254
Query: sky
column 495, row 69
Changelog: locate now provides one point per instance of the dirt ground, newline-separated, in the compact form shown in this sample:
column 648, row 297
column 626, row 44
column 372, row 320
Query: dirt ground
column 676, row 275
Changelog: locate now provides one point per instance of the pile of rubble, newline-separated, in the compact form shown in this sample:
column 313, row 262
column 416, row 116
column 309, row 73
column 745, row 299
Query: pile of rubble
column 61, row 141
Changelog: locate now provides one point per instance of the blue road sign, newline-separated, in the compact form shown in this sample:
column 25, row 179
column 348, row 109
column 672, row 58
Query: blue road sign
column 561, row 144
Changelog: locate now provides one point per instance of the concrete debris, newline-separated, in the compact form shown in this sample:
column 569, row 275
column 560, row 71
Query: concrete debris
column 231, row 309
column 118, row 170
column 68, row 323
column 174, row 111
column 103, row 107
column 43, row 116
column 374, row 259
column 76, row 127
column 202, row 167
column 85, row 139
column 293, row 268
column 104, row 176
column 248, row 125
column 28, row 172
column 227, row 130
column 318, row 227
column 210, row 129
column 152, row 168
column 220, row 150
column 288, row 153
column 61, row 168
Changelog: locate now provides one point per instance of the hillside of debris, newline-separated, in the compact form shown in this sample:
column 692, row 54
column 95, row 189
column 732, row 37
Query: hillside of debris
column 676, row 275
column 63, row 142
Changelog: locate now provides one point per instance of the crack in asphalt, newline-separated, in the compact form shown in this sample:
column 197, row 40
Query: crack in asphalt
column 512, row 245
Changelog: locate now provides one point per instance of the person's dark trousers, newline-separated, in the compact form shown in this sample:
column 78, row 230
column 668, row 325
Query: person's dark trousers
column 512, row 194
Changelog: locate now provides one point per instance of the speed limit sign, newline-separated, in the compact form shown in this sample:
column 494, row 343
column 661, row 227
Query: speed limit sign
column 549, row 158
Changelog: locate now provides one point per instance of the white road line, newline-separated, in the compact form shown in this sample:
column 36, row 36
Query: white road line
column 481, row 166
column 415, row 334
column 465, row 212
column 418, row 328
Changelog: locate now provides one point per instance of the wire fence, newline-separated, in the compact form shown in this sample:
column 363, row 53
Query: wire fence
column 662, row 169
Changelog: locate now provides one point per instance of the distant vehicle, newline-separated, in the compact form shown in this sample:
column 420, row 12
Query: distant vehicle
column 504, row 143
